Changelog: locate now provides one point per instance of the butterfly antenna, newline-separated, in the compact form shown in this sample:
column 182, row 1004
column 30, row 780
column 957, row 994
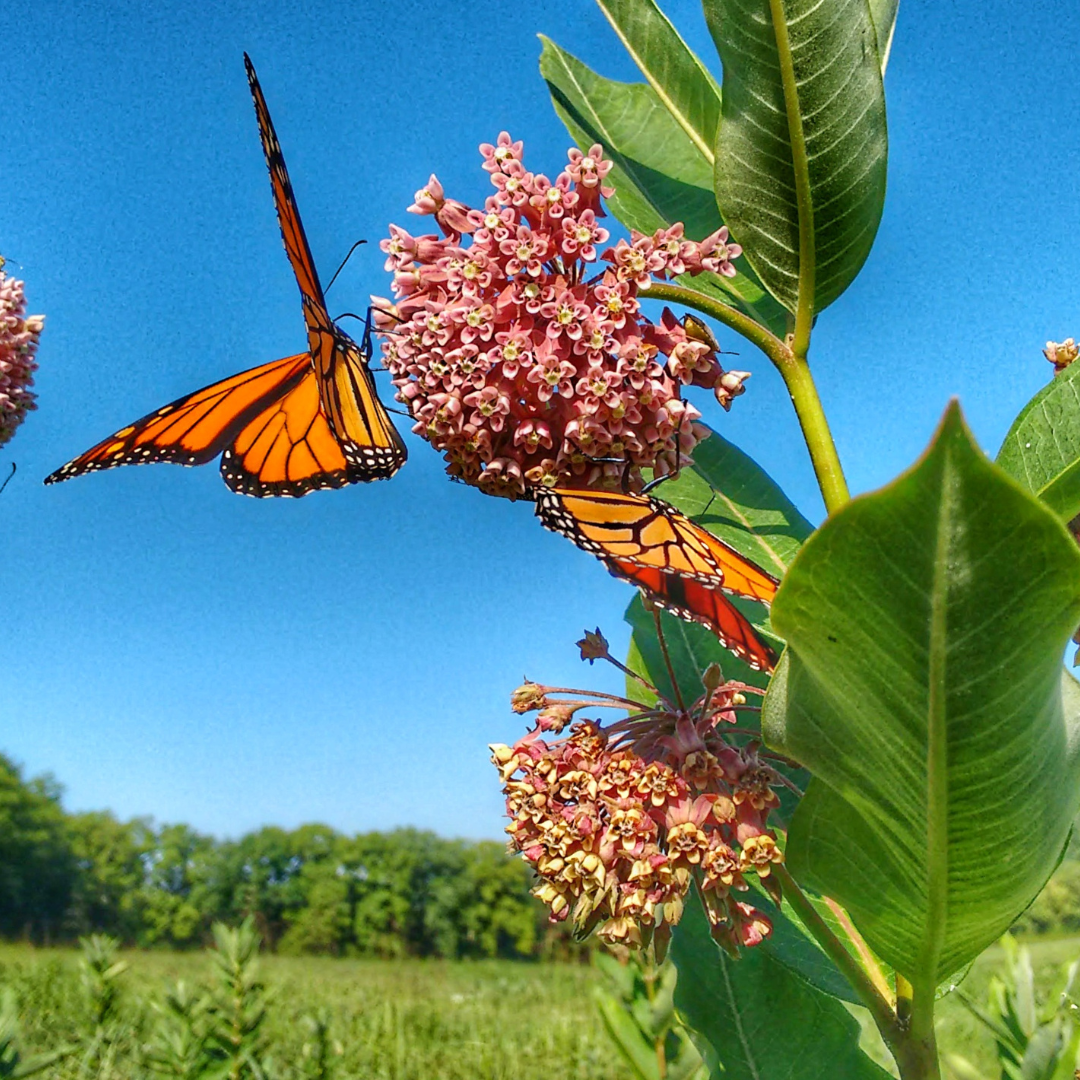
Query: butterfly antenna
column 343, row 262
column 10, row 474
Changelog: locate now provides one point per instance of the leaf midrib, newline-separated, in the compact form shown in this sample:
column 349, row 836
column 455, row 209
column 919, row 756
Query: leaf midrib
column 804, row 302
column 937, row 764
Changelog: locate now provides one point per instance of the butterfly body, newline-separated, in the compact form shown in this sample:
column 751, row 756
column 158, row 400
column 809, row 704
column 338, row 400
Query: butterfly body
column 303, row 423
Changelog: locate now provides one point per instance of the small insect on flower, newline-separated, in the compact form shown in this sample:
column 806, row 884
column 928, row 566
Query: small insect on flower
column 19, row 337
column 618, row 821
column 518, row 343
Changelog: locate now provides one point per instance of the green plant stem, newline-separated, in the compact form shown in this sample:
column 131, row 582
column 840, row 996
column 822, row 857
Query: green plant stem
column 794, row 370
column 870, row 964
column 914, row 1051
column 819, row 440
column 764, row 339
column 861, row 983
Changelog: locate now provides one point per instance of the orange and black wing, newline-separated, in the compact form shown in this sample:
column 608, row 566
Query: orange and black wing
column 197, row 427
column 292, row 229
column 368, row 438
column 287, row 449
column 689, row 599
column 651, row 534
column 676, row 563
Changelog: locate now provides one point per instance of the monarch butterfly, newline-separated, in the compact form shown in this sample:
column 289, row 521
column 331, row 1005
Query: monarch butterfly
column 676, row 563
column 308, row 421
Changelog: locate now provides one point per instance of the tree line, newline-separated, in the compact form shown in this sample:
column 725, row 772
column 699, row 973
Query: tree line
column 308, row 890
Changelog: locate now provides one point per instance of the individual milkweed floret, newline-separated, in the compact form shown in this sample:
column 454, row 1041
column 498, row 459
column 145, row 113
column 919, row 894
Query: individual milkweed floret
column 518, row 343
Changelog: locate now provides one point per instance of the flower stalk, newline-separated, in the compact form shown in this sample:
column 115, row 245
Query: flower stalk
column 794, row 370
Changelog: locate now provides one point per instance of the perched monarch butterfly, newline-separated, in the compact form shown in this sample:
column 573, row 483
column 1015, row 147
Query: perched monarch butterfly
column 304, row 422
column 677, row 564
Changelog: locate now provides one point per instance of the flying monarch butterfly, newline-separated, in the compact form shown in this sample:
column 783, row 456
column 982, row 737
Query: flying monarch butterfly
column 308, row 421
column 676, row 563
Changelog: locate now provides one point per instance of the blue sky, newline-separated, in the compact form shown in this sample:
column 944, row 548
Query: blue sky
column 169, row 648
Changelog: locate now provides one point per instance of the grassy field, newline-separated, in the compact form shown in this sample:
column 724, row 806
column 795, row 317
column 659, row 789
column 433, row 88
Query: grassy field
column 399, row 1020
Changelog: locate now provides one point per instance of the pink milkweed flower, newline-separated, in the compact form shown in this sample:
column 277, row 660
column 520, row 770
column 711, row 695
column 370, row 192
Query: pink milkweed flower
column 19, row 337
column 617, row 827
column 507, row 306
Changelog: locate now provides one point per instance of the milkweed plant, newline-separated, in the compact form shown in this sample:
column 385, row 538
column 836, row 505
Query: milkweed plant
column 833, row 832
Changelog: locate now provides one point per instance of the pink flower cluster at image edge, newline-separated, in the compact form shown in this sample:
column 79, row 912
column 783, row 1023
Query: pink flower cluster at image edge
column 524, row 356
column 19, row 334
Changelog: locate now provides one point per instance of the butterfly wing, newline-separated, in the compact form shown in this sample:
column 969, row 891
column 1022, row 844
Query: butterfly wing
column 690, row 599
column 270, row 424
column 358, row 418
column 196, row 428
column 646, row 532
column 368, row 439
column 676, row 563
column 292, row 229
column 288, row 449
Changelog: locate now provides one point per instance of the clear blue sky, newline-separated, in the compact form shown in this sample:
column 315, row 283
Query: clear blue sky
column 169, row 648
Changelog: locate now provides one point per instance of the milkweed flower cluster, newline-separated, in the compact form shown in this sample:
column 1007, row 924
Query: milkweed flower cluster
column 19, row 335
column 523, row 354
column 618, row 821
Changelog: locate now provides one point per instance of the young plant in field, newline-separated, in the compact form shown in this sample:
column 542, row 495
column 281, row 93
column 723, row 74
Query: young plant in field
column 13, row 1066
column 1032, row 1042
column 319, row 1054
column 238, row 1003
column 106, row 1033
column 920, row 687
column 179, row 1043
column 637, row 1006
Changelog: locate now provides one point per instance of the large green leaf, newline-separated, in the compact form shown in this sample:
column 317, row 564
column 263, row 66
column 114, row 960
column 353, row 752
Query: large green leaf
column 922, row 686
column 801, row 149
column 1042, row 448
column 761, row 1020
column 680, row 80
column 659, row 175
column 883, row 13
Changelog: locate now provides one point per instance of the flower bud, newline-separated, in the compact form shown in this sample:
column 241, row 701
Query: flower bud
column 712, row 677
column 527, row 697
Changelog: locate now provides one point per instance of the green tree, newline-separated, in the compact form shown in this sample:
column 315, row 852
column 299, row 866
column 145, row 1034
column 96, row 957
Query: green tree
column 37, row 867
column 110, row 857
column 182, row 891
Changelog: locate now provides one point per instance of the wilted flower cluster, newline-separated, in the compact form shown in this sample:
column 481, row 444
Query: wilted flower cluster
column 19, row 334
column 618, row 821
column 523, row 355
column 1061, row 354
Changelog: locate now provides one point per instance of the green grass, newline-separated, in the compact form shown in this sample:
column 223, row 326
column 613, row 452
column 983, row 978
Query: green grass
column 428, row 1020
column 393, row 1020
